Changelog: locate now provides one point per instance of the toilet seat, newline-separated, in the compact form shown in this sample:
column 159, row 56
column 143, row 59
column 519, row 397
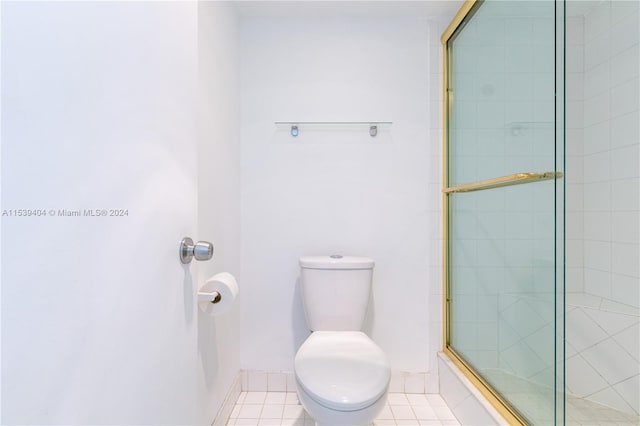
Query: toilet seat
column 342, row 370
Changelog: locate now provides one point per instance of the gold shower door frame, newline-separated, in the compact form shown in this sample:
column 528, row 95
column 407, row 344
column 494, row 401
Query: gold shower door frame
column 500, row 404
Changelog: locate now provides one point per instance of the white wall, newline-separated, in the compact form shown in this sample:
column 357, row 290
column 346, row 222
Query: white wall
column 337, row 190
column 99, row 320
column 218, row 193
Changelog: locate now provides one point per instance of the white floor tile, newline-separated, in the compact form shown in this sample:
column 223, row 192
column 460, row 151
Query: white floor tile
column 435, row 400
column 292, row 422
column 246, row 422
column 385, row 414
column 424, row 412
column 403, row 412
column 444, row 413
column 384, row 422
column 397, row 399
column 416, row 399
column 275, row 398
column 272, row 411
column 284, row 409
column 255, row 398
column 251, row 411
column 293, row 412
column 291, row 399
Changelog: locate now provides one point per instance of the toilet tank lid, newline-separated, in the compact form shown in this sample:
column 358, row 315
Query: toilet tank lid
column 336, row 262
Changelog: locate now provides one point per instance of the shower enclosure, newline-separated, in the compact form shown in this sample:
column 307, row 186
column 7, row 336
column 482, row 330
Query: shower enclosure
column 541, row 207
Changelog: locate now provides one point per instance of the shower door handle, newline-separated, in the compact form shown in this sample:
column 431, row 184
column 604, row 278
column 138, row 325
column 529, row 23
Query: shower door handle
column 499, row 182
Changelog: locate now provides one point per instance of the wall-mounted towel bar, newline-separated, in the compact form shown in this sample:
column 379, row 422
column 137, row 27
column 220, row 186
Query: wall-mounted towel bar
column 296, row 125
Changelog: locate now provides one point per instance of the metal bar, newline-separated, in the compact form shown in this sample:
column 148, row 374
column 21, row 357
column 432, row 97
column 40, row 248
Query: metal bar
column 499, row 182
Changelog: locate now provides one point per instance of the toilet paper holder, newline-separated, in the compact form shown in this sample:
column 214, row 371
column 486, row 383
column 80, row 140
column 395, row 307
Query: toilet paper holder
column 202, row 250
column 213, row 297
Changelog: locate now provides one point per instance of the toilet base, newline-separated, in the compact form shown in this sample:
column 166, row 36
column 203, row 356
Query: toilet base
column 324, row 416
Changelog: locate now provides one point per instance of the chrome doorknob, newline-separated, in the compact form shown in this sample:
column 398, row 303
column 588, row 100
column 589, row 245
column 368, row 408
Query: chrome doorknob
column 202, row 250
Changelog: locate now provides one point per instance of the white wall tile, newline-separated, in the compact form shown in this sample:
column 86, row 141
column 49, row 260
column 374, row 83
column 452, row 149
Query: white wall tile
column 621, row 10
column 597, row 226
column 257, row 381
column 625, row 34
column 396, row 384
column 575, row 280
column 276, row 382
column 625, row 227
column 291, row 382
column 624, row 99
column 575, row 31
column 597, row 137
column 624, row 66
column 625, row 130
column 597, row 282
column 414, row 383
column 625, row 194
column 432, row 382
column 597, row 254
column 575, row 61
column 625, row 162
column 596, row 80
column 597, row 167
column 596, row 51
column 597, row 109
column 624, row 259
column 597, row 196
column 597, row 20
column 625, row 289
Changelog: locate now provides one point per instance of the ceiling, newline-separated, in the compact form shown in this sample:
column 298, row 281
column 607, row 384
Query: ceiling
column 358, row 8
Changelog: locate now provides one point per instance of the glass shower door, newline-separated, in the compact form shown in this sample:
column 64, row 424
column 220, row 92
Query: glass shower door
column 503, row 218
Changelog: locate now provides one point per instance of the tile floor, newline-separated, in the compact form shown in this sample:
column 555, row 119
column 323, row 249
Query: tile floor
column 283, row 408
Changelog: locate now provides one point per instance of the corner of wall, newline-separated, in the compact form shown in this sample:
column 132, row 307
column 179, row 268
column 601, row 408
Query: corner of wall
column 218, row 124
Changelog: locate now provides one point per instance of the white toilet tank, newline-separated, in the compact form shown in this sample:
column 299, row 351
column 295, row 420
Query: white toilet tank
column 335, row 291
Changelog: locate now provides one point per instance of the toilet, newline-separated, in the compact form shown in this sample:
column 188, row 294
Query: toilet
column 342, row 376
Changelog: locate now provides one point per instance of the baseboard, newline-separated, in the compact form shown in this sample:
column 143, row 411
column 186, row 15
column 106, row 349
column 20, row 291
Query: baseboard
column 284, row 381
column 229, row 402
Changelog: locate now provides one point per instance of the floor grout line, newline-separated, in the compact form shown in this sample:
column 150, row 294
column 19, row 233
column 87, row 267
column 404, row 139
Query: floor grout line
column 408, row 409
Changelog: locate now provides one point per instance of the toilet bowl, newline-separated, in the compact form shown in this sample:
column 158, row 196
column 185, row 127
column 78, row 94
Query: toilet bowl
column 342, row 376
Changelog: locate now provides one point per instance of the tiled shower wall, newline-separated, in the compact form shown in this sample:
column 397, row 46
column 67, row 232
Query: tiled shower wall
column 603, row 194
